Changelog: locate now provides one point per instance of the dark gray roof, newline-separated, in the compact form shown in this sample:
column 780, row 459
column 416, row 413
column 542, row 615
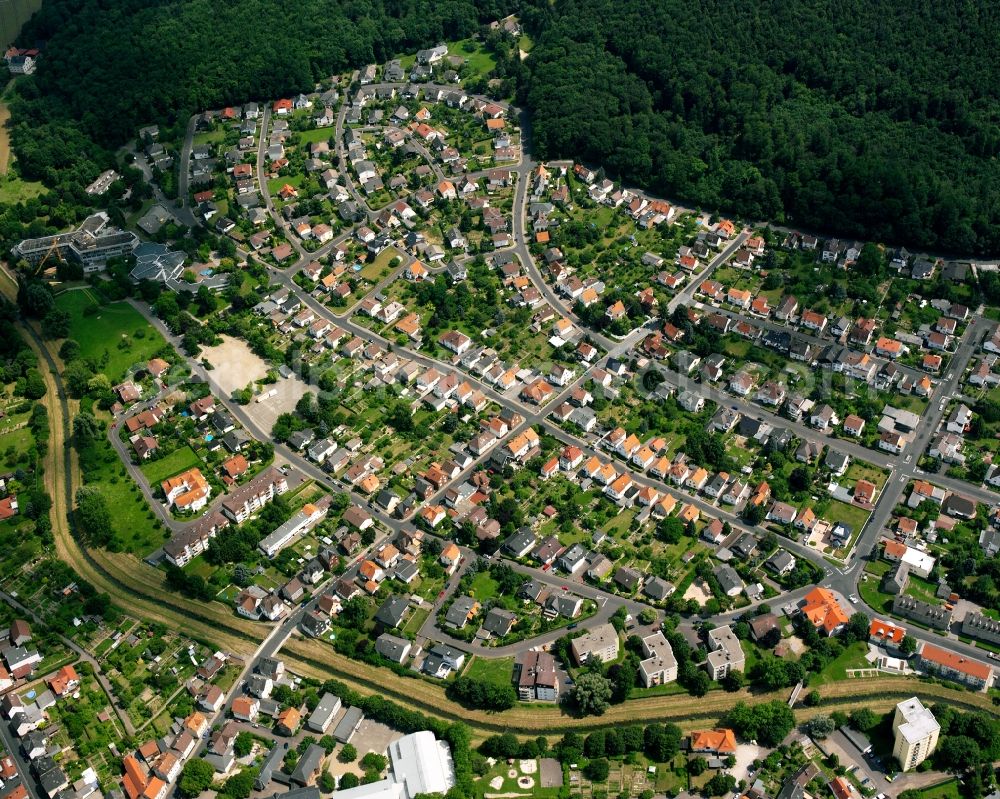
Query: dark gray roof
column 308, row 764
column 392, row 611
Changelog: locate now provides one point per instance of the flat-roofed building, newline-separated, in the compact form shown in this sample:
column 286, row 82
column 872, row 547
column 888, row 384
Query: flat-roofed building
column 916, row 733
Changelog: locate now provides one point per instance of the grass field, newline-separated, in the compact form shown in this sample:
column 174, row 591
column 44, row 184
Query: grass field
column 478, row 57
column 174, row 463
column 209, row 136
column 943, row 790
column 853, row 657
column 19, row 439
column 875, row 596
column 483, row 586
column 135, row 527
column 317, row 134
column 274, row 185
column 379, row 268
column 14, row 190
column 495, row 670
column 116, row 336
column 848, row 514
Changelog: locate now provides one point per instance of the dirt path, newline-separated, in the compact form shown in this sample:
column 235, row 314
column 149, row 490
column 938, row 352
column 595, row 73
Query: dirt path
column 133, row 585
column 315, row 659
column 4, row 138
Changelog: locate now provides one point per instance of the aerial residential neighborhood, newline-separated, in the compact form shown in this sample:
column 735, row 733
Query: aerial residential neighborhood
column 386, row 460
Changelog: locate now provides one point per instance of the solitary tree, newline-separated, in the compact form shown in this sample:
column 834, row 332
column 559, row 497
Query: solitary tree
column 592, row 693
column 195, row 778
column 819, row 726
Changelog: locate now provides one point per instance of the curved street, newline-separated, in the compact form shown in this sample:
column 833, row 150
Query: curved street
column 841, row 579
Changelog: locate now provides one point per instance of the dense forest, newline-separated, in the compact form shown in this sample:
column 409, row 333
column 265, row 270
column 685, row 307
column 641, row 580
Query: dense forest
column 865, row 118
column 111, row 66
column 869, row 118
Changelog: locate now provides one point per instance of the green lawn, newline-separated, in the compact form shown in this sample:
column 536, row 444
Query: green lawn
column 209, row 136
column 274, row 185
column 174, row 463
column 859, row 470
column 116, row 335
column 317, row 134
column 878, row 568
column 874, row 596
column 849, row 514
column 943, row 790
column 483, row 586
column 853, row 657
column 374, row 271
column 479, row 58
column 19, row 439
column 921, row 589
column 494, row 670
column 416, row 621
column 14, row 190
column 135, row 527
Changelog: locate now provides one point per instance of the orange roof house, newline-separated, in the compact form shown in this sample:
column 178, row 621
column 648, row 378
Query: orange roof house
column 288, row 721
column 157, row 366
column 894, row 550
column 666, row 505
column 823, row 610
column 154, row 788
column 689, row 513
column 952, row 663
column 64, row 681
column 864, row 492
column 842, row 789
column 888, row 347
column 450, row 553
column 721, row 741
column 187, row 490
column 725, row 228
column 884, row 632
column 134, row 773
column 196, row 724
column 235, row 466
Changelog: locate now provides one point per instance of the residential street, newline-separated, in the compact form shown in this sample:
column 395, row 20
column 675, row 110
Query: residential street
column 842, row 579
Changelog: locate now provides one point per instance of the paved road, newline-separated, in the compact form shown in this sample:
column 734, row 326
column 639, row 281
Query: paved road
column 184, row 179
column 83, row 655
column 13, row 746
column 843, row 579
column 815, row 340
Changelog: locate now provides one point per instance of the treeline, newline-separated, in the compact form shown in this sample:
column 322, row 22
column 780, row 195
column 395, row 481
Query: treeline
column 855, row 117
column 88, row 96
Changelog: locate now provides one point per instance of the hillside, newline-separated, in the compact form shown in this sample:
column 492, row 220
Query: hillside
column 13, row 14
column 862, row 117
column 113, row 65
column 857, row 117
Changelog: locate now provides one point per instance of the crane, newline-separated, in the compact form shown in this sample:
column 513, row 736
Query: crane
column 54, row 248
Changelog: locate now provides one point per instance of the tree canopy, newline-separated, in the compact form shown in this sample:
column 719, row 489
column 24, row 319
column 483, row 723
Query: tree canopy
column 198, row 54
column 851, row 116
